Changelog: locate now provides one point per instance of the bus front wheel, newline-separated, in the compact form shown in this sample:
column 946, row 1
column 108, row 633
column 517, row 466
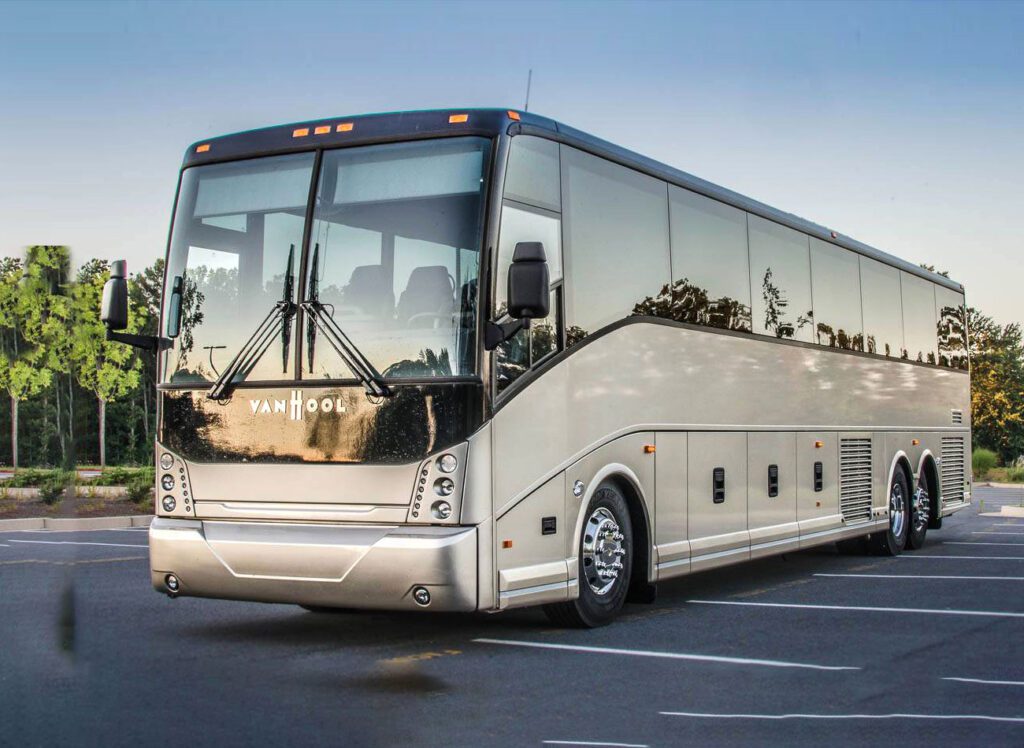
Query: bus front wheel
column 605, row 563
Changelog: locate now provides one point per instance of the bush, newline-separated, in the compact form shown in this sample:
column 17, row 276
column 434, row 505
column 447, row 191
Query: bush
column 1015, row 475
column 140, row 489
column 51, row 489
column 30, row 478
column 123, row 476
column 982, row 460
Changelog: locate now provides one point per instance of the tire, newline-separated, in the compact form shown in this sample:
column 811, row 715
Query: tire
column 892, row 540
column 920, row 513
column 606, row 538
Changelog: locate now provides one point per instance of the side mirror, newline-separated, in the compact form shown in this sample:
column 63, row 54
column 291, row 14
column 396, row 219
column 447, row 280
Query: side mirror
column 528, row 280
column 114, row 312
column 174, row 307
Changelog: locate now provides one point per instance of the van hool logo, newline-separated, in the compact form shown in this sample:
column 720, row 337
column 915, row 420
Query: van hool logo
column 297, row 406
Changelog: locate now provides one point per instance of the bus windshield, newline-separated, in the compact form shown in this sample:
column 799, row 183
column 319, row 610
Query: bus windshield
column 392, row 262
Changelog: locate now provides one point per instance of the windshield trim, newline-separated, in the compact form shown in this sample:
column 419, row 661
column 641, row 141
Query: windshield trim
column 300, row 376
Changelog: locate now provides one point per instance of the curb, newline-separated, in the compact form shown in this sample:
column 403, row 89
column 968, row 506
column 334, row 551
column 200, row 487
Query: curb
column 1011, row 511
column 76, row 523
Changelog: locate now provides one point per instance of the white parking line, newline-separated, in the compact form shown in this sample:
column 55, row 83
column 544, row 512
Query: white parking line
column 963, row 558
column 979, row 542
column 995, row 532
column 590, row 742
column 864, row 608
column 983, row 717
column 663, row 655
column 988, row 682
column 921, row 576
column 73, row 542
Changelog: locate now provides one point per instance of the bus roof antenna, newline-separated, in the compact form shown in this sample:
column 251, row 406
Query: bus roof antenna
column 529, row 78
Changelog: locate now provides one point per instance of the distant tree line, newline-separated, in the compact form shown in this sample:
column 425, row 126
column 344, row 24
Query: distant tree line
column 72, row 397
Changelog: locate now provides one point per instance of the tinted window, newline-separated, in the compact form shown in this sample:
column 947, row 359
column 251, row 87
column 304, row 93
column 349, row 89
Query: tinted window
column 532, row 173
column 835, row 282
column 521, row 225
column 780, row 279
column 616, row 241
column 883, row 309
column 949, row 309
column 710, row 270
column 918, row 318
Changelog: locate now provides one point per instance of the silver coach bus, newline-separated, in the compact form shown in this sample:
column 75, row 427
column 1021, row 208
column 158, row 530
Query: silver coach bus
column 477, row 360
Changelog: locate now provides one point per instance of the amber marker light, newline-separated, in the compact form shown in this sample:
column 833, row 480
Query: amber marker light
column 513, row 115
column 819, row 445
column 344, row 127
column 649, row 449
column 300, row 132
column 456, row 118
column 915, row 442
column 506, row 543
column 322, row 130
column 202, row 148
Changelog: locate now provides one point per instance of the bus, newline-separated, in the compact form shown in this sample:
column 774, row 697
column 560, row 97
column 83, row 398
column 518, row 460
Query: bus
column 475, row 359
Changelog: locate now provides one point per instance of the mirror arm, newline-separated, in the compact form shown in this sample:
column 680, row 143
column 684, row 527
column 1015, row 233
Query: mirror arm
column 496, row 333
column 145, row 342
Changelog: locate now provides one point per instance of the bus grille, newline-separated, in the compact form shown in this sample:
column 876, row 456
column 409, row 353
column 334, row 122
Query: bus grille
column 953, row 469
column 855, row 479
column 958, row 417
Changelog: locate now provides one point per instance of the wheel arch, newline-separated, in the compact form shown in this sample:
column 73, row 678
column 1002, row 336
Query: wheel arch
column 929, row 467
column 900, row 461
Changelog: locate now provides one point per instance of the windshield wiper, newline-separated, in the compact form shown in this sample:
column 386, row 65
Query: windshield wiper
column 277, row 321
column 321, row 320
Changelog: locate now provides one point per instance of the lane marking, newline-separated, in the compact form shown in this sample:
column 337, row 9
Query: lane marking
column 80, row 542
column 920, row 576
column 988, row 682
column 864, row 608
column 984, row 717
column 663, row 655
column 979, row 542
column 73, row 563
column 995, row 532
column 967, row 558
column 591, row 742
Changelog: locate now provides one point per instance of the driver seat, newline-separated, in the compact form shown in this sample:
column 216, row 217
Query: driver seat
column 430, row 291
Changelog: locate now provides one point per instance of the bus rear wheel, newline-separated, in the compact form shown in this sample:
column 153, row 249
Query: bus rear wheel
column 605, row 563
column 892, row 540
column 920, row 513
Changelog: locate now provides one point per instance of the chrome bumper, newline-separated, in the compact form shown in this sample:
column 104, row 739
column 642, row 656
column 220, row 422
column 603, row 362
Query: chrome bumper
column 345, row 566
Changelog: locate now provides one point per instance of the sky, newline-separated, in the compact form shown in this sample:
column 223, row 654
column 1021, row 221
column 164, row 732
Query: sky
column 899, row 124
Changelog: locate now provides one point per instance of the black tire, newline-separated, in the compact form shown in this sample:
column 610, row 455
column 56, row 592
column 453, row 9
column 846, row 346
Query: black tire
column 920, row 513
column 598, row 607
column 892, row 540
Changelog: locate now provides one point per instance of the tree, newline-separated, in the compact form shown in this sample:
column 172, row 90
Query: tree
column 23, row 373
column 108, row 369
column 997, row 385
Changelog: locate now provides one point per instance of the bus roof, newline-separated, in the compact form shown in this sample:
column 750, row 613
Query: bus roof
column 389, row 126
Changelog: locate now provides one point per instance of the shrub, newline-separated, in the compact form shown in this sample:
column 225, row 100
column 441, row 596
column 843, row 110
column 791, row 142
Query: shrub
column 30, row 478
column 1015, row 475
column 123, row 476
column 982, row 460
column 51, row 488
column 140, row 489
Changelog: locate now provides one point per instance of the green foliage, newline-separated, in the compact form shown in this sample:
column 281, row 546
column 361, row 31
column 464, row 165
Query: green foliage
column 28, row 478
column 140, row 489
column 997, row 385
column 52, row 488
column 1015, row 474
column 982, row 461
column 123, row 476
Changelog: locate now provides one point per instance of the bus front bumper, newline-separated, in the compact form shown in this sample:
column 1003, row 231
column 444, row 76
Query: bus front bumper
column 343, row 566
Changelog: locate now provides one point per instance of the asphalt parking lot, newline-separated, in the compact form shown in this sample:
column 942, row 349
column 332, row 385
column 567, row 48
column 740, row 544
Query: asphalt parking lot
column 799, row 650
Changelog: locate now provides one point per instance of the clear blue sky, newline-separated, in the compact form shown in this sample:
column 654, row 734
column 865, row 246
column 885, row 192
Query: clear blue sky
column 901, row 124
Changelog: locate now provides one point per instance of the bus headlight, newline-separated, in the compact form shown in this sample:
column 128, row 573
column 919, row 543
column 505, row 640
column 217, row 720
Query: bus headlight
column 167, row 481
column 447, row 463
column 169, row 503
column 444, row 486
column 441, row 510
column 166, row 461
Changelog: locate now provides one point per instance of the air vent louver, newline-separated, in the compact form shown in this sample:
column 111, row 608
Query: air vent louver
column 855, row 479
column 953, row 469
column 958, row 417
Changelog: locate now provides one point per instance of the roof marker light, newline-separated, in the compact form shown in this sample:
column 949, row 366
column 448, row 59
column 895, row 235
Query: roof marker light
column 456, row 118
column 322, row 130
column 202, row 148
column 300, row 132
column 344, row 127
column 513, row 115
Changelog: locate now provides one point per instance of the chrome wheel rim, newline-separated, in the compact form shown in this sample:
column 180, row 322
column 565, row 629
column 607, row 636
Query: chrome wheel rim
column 603, row 549
column 922, row 506
column 897, row 510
